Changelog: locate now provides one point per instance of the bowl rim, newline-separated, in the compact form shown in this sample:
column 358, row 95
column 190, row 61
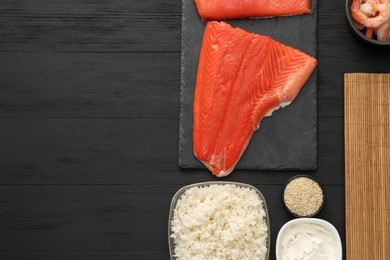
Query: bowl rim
column 321, row 187
column 332, row 229
column 358, row 33
column 181, row 191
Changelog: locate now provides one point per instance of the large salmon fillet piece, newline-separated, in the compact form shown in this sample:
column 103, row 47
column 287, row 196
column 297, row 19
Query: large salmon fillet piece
column 233, row 9
column 241, row 78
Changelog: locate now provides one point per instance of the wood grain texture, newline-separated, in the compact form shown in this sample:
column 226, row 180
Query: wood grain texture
column 69, row 79
column 102, row 85
column 85, row 256
column 90, row 26
column 136, row 85
column 126, row 151
column 367, row 157
column 340, row 52
column 106, row 219
column 89, row 97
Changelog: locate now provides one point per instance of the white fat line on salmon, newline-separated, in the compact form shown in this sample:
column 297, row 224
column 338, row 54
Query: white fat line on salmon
column 282, row 105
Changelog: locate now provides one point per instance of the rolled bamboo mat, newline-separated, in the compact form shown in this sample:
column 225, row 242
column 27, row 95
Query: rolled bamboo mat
column 367, row 165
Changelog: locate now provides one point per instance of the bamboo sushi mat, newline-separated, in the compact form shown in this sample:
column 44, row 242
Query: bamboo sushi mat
column 367, row 165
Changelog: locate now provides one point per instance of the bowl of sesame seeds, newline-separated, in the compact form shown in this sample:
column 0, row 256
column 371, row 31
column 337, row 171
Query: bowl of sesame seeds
column 303, row 196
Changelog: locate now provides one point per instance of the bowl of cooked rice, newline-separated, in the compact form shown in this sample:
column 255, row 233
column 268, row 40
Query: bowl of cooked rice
column 219, row 220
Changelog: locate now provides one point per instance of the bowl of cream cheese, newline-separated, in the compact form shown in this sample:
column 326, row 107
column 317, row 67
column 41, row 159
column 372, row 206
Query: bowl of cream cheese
column 308, row 239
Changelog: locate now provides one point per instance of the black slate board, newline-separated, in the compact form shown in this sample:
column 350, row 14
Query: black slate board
column 288, row 139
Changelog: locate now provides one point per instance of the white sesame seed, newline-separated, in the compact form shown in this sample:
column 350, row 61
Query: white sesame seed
column 303, row 196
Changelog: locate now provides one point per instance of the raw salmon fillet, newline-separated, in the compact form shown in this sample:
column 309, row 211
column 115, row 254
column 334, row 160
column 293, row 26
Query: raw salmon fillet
column 233, row 9
column 241, row 78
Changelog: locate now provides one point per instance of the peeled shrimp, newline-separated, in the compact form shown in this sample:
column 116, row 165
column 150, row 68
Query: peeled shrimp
column 369, row 32
column 383, row 32
column 371, row 13
column 358, row 25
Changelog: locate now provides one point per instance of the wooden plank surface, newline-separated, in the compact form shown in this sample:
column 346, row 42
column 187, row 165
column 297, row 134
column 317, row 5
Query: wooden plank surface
column 137, row 85
column 90, row 26
column 367, row 168
column 84, row 256
column 89, row 96
column 106, row 219
column 125, row 151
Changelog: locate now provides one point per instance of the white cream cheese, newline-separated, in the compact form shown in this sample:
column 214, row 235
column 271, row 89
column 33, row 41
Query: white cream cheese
column 307, row 241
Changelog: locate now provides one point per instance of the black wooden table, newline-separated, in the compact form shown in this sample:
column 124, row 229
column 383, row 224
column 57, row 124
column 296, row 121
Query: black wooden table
column 89, row 126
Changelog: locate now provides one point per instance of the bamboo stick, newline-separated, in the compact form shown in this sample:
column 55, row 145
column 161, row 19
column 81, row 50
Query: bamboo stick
column 367, row 165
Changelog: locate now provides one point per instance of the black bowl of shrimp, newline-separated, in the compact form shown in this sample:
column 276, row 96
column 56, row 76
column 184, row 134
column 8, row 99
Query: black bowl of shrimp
column 369, row 20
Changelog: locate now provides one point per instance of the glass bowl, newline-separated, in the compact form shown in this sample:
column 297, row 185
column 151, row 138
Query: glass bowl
column 181, row 191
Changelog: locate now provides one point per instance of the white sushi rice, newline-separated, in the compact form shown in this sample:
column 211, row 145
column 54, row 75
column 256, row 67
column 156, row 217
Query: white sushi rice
column 219, row 222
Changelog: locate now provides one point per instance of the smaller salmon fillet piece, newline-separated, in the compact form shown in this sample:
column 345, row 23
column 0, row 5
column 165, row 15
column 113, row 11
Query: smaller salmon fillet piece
column 242, row 77
column 234, row 9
